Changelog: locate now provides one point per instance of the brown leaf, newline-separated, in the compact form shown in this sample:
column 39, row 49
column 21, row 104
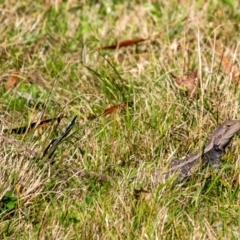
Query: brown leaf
column 190, row 82
column 43, row 123
column 225, row 61
column 115, row 108
column 11, row 82
column 125, row 43
column 227, row 65
column 110, row 110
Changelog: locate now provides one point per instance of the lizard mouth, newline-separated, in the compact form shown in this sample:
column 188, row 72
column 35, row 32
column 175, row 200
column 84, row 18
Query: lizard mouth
column 218, row 148
column 223, row 145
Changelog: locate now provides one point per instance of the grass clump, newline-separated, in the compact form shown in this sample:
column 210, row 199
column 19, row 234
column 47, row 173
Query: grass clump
column 53, row 64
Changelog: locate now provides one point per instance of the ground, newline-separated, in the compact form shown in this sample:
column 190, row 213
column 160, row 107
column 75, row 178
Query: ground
column 148, row 81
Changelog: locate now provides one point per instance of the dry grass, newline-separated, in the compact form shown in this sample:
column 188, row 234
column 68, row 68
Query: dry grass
column 87, row 190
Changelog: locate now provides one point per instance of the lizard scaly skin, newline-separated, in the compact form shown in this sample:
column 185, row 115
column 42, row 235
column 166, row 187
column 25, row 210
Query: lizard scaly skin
column 209, row 155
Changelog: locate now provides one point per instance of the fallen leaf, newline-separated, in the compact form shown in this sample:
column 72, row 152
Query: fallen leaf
column 43, row 123
column 224, row 60
column 110, row 110
column 227, row 65
column 116, row 108
column 190, row 82
column 11, row 82
column 124, row 43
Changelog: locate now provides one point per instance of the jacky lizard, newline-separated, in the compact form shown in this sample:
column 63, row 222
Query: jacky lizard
column 209, row 155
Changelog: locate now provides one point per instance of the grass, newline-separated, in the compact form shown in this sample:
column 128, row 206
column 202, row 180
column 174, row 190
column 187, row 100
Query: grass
column 52, row 47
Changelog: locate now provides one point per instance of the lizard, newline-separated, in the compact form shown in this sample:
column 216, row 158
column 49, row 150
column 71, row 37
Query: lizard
column 209, row 155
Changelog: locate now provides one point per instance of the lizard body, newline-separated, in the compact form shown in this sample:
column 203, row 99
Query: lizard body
column 209, row 155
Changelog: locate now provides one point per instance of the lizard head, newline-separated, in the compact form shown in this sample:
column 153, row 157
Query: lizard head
column 224, row 133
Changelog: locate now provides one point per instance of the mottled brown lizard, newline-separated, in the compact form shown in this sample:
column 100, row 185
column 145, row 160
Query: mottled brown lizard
column 209, row 155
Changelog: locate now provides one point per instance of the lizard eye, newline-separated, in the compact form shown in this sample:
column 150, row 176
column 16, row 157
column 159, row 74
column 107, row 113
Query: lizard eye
column 220, row 136
column 228, row 125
